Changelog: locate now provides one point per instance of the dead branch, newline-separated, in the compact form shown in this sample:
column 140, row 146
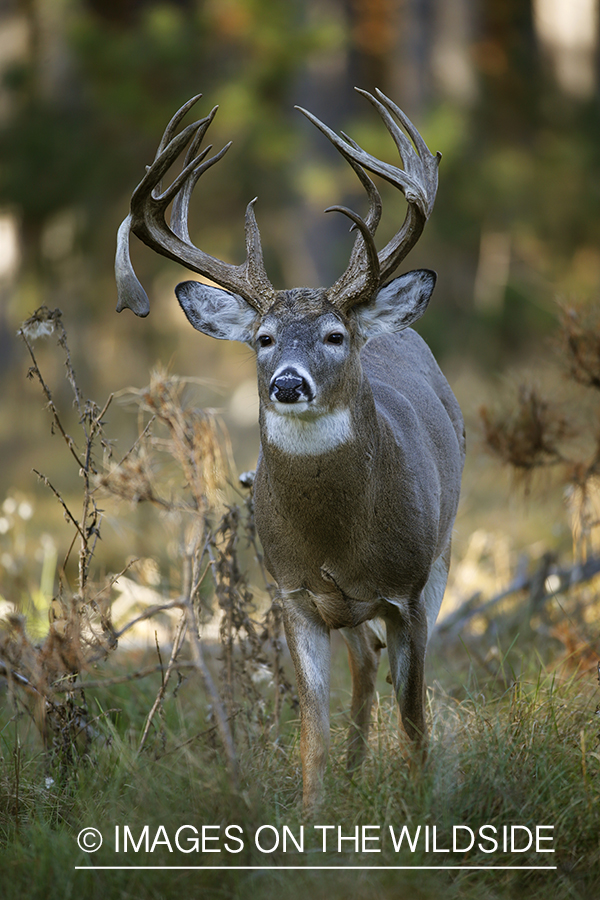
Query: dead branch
column 58, row 496
column 35, row 370
column 177, row 643
column 222, row 722
column 567, row 578
column 149, row 612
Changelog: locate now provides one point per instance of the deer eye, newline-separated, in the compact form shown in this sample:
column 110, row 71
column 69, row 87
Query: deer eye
column 264, row 340
column 336, row 337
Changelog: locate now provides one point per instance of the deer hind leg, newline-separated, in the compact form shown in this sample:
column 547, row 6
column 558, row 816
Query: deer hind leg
column 309, row 645
column 408, row 630
column 407, row 641
column 364, row 648
column 433, row 592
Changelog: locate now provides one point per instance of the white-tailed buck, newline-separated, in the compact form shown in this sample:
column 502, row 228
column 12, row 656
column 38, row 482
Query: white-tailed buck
column 362, row 440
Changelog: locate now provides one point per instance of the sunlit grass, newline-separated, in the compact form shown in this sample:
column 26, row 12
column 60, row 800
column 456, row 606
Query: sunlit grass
column 525, row 756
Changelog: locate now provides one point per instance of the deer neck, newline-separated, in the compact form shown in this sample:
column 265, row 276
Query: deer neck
column 319, row 457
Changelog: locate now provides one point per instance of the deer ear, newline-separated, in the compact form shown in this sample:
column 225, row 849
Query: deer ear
column 216, row 312
column 397, row 305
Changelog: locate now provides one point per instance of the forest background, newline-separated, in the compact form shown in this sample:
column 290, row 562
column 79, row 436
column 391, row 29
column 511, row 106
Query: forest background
column 508, row 91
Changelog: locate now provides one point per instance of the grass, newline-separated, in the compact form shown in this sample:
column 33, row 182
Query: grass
column 526, row 756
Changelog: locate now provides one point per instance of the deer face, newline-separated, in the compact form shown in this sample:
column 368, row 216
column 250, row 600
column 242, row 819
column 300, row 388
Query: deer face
column 307, row 356
column 308, row 372
column 307, row 351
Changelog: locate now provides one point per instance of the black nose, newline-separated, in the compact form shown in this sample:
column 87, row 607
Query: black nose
column 289, row 387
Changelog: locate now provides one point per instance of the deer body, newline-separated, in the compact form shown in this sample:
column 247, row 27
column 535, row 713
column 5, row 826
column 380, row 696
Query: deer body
column 362, row 440
column 359, row 522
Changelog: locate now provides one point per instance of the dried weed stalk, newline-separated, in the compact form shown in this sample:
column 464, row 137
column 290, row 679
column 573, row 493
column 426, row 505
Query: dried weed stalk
column 579, row 345
column 252, row 648
column 196, row 441
column 528, row 436
column 535, row 434
column 180, row 465
column 80, row 629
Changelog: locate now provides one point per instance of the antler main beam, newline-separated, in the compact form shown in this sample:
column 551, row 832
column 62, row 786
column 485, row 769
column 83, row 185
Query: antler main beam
column 146, row 220
column 417, row 181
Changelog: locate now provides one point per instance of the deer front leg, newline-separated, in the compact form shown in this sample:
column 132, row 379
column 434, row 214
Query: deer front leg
column 364, row 649
column 309, row 645
column 407, row 642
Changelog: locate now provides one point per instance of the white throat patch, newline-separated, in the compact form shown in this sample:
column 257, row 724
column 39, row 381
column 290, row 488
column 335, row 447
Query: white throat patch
column 308, row 437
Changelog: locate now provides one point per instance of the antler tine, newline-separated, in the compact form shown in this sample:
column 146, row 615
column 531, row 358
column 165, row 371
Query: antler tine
column 147, row 221
column 170, row 131
column 174, row 122
column 395, row 176
column 372, row 267
column 366, row 269
column 417, row 181
column 363, row 267
column 375, row 206
column 130, row 293
column 430, row 162
column 408, row 155
column 183, row 186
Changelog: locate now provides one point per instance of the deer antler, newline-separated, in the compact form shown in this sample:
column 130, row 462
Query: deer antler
column 367, row 269
column 146, row 220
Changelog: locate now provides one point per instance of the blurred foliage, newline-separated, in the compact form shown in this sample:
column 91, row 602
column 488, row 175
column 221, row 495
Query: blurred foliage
column 89, row 86
column 123, row 80
column 521, row 158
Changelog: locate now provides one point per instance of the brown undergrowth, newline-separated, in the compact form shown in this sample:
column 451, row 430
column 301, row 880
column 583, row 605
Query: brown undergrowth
column 179, row 466
column 534, row 433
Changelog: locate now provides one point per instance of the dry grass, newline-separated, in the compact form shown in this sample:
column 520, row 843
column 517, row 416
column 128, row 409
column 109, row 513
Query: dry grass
column 532, row 433
column 178, row 465
column 527, row 436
